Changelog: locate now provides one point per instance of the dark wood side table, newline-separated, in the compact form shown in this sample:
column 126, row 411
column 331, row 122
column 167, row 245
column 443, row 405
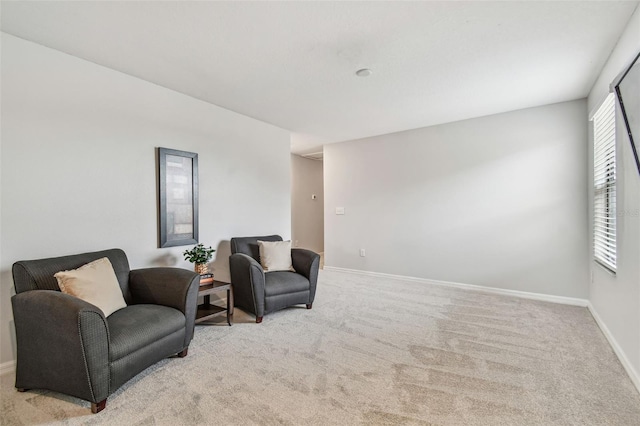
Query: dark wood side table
column 206, row 310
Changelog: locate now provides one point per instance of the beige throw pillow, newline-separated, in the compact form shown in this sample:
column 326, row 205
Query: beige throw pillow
column 275, row 255
column 96, row 283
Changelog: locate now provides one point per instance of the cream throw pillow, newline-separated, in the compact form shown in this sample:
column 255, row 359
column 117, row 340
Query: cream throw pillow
column 275, row 255
column 96, row 283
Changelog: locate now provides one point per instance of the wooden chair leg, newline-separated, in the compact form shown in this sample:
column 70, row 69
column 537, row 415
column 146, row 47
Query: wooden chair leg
column 309, row 305
column 183, row 353
column 96, row 407
column 258, row 320
column 229, row 306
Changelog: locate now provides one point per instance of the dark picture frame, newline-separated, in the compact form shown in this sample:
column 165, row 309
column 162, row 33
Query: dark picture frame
column 177, row 197
column 627, row 87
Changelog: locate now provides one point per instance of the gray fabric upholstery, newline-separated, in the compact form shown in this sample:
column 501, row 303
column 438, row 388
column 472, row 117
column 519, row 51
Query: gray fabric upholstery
column 38, row 274
column 138, row 326
column 130, row 365
column 158, row 286
column 247, row 280
column 259, row 292
column 249, row 245
column 307, row 263
column 281, row 301
column 283, row 282
column 67, row 345
column 52, row 331
column 94, row 335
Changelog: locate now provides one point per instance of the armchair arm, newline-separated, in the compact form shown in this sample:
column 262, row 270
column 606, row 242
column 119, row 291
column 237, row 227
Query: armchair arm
column 247, row 279
column 173, row 287
column 307, row 263
column 63, row 344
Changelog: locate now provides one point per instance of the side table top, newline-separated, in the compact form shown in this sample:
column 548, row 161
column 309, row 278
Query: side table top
column 213, row 287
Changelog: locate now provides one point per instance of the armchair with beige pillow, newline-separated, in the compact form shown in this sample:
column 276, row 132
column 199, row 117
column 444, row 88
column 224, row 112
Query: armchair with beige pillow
column 86, row 324
column 268, row 275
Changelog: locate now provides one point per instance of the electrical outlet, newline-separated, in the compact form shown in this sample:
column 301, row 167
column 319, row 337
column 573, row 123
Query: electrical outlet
column 339, row 210
column 362, row 253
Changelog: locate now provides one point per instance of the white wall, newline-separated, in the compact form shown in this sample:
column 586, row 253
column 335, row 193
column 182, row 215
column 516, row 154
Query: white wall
column 616, row 299
column 497, row 201
column 78, row 166
column 307, row 221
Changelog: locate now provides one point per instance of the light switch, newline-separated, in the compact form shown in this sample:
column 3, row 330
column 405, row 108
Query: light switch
column 339, row 210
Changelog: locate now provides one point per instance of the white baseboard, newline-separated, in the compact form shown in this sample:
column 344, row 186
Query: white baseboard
column 7, row 367
column 633, row 374
column 505, row 292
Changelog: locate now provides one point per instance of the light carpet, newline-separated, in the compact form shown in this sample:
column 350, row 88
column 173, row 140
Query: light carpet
column 373, row 351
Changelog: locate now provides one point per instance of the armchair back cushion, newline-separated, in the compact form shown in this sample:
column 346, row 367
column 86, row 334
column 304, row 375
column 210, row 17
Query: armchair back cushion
column 249, row 245
column 39, row 274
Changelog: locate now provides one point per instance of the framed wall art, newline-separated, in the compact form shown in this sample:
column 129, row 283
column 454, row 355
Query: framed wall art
column 177, row 197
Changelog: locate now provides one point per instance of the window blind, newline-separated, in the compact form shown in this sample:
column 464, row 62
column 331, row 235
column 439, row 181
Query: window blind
column 604, row 180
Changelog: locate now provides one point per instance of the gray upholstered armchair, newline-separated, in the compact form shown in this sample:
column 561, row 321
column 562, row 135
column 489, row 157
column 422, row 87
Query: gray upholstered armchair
column 260, row 293
column 67, row 345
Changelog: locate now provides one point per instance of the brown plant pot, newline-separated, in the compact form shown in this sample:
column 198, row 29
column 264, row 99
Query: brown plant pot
column 201, row 268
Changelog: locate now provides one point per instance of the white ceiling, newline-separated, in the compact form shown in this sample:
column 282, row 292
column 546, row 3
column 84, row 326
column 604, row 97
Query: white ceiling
column 293, row 64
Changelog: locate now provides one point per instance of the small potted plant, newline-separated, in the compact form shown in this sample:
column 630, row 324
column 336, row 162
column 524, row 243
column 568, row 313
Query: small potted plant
column 200, row 255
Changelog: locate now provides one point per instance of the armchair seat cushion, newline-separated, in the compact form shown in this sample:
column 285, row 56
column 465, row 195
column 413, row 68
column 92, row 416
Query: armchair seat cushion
column 284, row 282
column 138, row 326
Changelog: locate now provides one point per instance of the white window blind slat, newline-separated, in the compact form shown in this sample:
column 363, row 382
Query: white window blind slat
column 604, row 184
column 606, row 158
column 603, row 228
column 603, row 161
column 608, row 130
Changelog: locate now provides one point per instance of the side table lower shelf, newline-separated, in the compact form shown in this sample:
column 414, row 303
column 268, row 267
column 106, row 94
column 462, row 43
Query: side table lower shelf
column 207, row 311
